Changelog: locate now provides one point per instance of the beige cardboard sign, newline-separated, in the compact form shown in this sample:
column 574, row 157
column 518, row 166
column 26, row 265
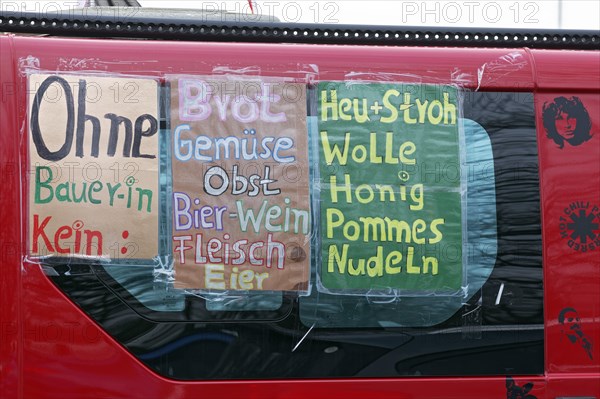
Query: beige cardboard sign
column 93, row 162
column 241, row 218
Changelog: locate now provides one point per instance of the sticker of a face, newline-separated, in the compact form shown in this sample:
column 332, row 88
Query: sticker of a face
column 566, row 120
column 571, row 327
column 566, row 125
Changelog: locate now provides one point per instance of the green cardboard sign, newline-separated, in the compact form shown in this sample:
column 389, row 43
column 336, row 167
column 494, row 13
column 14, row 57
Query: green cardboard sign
column 390, row 198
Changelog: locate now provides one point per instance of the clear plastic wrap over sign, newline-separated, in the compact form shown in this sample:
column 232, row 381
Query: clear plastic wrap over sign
column 247, row 189
column 390, row 220
column 240, row 183
column 93, row 186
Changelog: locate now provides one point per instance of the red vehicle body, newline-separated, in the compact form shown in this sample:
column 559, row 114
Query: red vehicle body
column 49, row 347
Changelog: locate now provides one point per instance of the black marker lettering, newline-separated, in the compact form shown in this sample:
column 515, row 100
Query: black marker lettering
column 115, row 122
column 82, row 118
column 36, row 133
column 139, row 133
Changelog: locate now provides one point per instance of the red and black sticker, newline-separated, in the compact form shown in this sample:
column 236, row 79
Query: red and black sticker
column 567, row 121
column 514, row 391
column 570, row 323
column 579, row 226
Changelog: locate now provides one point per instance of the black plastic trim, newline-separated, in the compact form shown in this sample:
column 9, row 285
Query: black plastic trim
column 138, row 26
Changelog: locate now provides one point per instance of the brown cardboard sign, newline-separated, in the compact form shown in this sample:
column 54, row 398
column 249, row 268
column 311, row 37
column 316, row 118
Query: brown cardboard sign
column 94, row 163
column 241, row 218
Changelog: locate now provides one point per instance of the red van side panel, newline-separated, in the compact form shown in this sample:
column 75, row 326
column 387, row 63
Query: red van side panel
column 50, row 348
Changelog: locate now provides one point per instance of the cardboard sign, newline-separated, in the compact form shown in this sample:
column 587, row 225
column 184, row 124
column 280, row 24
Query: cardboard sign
column 390, row 188
column 241, row 215
column 93, row 161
